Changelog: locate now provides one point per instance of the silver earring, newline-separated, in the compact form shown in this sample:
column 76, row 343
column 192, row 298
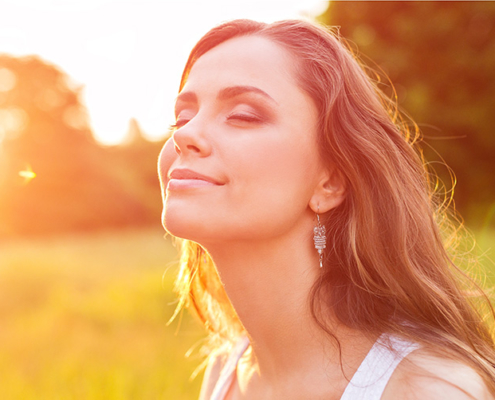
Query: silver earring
column 319, row 237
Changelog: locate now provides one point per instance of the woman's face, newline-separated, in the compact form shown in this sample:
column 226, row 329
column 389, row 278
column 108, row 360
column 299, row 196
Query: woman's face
column 243, row 162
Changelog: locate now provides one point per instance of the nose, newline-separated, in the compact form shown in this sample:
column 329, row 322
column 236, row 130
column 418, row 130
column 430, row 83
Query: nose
column 191, row 139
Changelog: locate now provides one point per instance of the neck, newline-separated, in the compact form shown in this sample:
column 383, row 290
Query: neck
column 269, row 284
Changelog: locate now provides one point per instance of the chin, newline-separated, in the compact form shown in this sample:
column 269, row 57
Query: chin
column 200, row 230
column 183, row 226
column 174, row 225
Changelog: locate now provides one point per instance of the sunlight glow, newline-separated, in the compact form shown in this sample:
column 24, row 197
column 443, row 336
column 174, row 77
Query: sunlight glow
column 13, row 120
column 127, row 55
column 7, row 80
column 27, row 174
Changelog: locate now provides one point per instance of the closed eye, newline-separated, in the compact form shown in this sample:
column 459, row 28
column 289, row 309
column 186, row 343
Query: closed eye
column 244, row 117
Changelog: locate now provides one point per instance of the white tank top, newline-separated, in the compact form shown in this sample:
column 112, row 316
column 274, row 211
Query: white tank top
column 368, row 383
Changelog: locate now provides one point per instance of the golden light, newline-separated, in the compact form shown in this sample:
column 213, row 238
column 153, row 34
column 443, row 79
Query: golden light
column 28, row 174
column 7, row 80
column 129, row 66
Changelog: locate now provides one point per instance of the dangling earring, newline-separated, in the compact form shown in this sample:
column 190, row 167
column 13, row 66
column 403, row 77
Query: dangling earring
column 319, row 237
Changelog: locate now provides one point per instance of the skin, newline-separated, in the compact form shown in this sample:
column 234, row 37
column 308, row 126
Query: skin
column 253, row 209
column 246, row 143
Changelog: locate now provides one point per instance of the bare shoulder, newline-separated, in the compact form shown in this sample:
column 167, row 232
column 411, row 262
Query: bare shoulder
column 423, row 376
column 215, row 364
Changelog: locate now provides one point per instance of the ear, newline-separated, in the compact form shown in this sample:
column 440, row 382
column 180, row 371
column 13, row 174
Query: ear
column 329, row 191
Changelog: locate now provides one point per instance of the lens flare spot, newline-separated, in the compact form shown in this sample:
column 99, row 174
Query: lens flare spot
column 7, row 80
column 48, row 100
column 13, row 121
column 76, row 117
column 28, row 174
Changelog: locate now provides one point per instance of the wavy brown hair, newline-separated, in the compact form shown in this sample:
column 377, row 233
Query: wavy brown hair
column 387, row 266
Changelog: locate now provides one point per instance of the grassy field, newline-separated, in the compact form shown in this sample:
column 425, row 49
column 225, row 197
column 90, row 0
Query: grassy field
column 85, row 317
column 486, row 256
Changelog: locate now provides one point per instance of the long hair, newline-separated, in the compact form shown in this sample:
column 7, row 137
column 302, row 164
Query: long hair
column 387, row 268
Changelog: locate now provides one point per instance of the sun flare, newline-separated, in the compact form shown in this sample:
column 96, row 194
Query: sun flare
column 129, row 66
column 28, row 174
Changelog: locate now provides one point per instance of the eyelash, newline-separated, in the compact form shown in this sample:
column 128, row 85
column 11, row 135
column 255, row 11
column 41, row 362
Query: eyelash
column 234, row 116
column 244, row 117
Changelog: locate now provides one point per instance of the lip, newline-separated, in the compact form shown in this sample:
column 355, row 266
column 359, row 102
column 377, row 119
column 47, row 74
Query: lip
column 183, row 178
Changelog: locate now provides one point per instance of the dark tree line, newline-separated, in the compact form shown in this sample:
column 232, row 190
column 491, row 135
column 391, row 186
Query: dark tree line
column 440, row 56
column 79, row 185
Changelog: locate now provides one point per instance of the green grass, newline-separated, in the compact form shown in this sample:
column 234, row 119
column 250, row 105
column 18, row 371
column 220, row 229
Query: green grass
column 85, row 317
column 486, row 256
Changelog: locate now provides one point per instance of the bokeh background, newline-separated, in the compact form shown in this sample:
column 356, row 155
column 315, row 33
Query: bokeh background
column 86, row 94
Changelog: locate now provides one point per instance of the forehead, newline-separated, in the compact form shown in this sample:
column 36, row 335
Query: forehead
column 248, row 60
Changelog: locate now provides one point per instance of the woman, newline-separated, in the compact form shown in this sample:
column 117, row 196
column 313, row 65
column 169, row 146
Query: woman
column 312, row 254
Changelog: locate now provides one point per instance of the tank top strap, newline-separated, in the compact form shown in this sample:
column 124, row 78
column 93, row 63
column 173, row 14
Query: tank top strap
column 368, row 383
column 227, row 373
column 372, row 376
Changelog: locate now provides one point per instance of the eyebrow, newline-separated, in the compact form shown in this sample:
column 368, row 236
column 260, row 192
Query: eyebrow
column 233, row 91
column 226, row 94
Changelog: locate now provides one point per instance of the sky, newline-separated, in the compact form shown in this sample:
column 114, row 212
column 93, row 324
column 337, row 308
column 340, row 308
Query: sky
column 127, row 55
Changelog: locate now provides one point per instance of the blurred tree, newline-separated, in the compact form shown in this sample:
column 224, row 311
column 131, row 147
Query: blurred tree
column 440, row 56
column 135, row 165
column 79, row 185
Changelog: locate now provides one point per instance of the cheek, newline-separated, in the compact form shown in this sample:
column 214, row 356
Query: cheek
column 277, row 183
column 165, row 161
column 288, row 167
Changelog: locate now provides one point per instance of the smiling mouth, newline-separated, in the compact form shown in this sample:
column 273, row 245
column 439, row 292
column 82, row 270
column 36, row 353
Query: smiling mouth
column 182, row 178
column 174, row 184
